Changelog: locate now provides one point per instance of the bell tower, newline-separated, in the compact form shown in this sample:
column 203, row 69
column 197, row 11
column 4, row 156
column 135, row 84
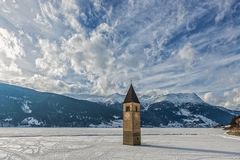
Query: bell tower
column 131, row 119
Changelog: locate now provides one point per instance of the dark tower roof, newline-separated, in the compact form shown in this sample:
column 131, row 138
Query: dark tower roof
column 131, row 96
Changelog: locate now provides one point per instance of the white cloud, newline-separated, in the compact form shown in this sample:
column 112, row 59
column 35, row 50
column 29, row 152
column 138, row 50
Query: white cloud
column 10, row 45
column 232, row 97
column 210, row 97
column 187, row 52
column 54, row 62
column 229, row 99
column 10, row 50
column 92, row 56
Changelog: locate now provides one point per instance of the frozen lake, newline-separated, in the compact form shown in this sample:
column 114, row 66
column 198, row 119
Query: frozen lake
column 106, row 144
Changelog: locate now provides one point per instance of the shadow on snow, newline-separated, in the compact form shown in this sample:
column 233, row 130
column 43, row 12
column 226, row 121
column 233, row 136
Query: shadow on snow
column 190, row 149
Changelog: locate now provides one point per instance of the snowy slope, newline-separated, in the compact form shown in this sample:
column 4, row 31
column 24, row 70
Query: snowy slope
column 106, row 144
column 181, row 98
column 111, row 99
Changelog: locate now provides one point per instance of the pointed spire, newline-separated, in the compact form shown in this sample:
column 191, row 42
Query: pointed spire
column 131, row 96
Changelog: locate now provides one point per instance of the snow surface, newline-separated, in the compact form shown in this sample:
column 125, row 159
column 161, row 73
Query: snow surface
column 207, row 121
column 31, row 121
column 25, row 106
column 8, row 119
column 184, row 112
column 180, row 98
column 106, row 144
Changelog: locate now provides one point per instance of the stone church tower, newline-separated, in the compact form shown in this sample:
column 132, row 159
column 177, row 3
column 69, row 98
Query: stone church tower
column 131, row 119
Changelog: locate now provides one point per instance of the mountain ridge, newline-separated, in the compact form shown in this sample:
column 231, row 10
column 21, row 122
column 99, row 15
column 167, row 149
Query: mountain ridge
column 26, row 107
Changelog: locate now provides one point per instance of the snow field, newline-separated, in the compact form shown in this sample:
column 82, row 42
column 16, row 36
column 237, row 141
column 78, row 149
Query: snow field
column 106, row 144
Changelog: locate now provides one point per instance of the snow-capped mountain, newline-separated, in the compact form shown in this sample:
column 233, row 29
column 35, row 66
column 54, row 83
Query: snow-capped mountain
column 181, row 98
column 176, row 98
column 25, row 107
column 111, row 99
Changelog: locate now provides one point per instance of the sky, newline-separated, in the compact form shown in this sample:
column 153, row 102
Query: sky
column 98, row 47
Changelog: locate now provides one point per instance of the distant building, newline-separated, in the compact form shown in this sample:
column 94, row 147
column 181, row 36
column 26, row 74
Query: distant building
column 131, row 119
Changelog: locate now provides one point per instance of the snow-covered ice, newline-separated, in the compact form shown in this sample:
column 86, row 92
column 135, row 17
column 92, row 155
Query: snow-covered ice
column 106, row 144
column 26, row 107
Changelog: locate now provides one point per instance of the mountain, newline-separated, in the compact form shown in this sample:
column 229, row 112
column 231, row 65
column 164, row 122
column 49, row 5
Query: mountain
column 146, row 100
column 26, row 107
column 111, row 99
